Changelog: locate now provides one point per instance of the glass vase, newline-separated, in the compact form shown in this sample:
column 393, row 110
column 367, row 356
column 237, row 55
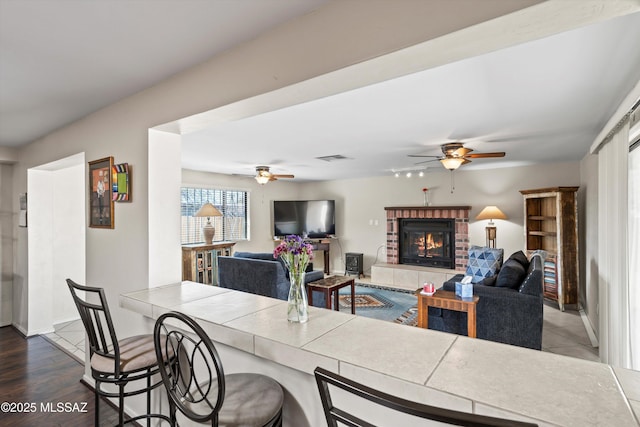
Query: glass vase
column 297, row 305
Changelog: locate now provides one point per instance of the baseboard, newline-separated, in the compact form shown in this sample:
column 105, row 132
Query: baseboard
column 587, row 326
column 20, row 329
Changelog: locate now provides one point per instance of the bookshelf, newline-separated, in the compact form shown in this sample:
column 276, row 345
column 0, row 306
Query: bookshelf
column 551, row 224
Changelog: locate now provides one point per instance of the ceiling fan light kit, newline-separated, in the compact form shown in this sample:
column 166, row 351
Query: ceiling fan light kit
column 452, row 163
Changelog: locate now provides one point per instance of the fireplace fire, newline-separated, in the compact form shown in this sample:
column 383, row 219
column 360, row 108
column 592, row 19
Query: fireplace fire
column 427, row 242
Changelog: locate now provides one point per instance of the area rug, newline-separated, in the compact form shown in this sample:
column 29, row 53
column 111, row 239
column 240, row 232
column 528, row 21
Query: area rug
column 409, row 317
column 365, row 301
column 379, row 302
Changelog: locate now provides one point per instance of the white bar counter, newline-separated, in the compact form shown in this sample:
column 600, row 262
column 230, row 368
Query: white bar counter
column 252, row 334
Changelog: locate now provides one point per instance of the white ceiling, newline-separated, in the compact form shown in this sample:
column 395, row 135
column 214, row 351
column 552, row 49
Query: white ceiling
column 539, row 102
column 63, row 59
column 543, row 101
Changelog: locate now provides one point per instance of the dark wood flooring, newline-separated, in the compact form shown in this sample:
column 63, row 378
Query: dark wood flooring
column 35, row 373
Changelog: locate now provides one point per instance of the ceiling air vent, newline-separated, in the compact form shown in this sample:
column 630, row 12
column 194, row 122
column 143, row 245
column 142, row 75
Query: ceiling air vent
column 332, row 158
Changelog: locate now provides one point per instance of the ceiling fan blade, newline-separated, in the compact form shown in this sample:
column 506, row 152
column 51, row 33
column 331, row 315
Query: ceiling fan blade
column 422, row 155
column 485, row 155
column 461, row 152
column 429, row 161
column 282, row 176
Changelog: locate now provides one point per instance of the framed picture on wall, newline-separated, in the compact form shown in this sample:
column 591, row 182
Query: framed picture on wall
column 100, row 193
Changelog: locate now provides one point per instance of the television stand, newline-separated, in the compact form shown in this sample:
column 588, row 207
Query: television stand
column 322, row 245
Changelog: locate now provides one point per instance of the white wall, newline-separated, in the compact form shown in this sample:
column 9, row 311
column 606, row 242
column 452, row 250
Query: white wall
column 40, row 232
column 360, row 200
column 7, row 197
column 165, row 264
column 588, row 239
column 56, row 230
column 68, row 239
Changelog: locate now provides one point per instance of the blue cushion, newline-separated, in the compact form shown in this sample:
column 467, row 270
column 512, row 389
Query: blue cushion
column 483, row 262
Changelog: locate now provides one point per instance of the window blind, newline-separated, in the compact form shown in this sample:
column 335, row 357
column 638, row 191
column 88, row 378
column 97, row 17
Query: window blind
column 232, row 225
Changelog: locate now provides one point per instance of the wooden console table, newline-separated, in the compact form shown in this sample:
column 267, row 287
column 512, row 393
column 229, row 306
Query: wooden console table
column 323, row 245
column 448, row 301
column 200, row 261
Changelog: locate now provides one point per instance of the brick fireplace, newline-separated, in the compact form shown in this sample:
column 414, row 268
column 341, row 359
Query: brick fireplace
column 460, row 215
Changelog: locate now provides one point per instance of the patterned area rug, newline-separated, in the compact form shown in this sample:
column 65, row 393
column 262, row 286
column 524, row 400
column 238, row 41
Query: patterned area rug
column 409, row 317
column 365, row 301
column 380, row 302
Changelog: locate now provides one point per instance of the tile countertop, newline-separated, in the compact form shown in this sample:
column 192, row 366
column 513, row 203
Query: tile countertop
column 423, row 365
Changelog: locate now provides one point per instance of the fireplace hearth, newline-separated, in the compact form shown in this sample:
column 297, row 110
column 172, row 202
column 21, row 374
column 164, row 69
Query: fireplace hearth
column 427, row 242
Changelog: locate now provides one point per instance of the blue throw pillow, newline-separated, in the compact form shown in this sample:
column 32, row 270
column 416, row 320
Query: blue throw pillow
column 483, row 262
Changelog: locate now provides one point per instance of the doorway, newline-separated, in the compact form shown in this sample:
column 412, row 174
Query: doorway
column 56, row 240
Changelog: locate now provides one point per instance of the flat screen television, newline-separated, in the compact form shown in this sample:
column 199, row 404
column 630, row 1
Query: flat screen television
column 306, row 218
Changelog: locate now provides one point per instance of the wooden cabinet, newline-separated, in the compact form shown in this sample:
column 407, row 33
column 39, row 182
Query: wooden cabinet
column 551, row 224
column 200, row 261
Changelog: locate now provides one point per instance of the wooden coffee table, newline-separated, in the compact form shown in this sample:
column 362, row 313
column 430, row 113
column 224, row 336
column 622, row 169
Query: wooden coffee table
column 331, row 285
column 449, row 301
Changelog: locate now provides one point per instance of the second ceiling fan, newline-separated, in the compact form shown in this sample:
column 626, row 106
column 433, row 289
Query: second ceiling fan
column 263, row 175
column 456, row 155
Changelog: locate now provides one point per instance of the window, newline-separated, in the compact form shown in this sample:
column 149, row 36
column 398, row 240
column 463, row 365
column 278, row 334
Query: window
column 232, row 225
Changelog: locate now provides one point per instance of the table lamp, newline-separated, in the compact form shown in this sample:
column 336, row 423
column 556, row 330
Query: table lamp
column 208, row 210
column 491, row 213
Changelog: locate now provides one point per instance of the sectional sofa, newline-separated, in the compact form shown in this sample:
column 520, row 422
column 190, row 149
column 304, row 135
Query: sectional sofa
column 510, row 307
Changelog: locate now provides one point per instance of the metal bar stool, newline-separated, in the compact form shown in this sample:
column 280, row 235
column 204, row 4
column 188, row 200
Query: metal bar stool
column 334, row 414
column 197, row 385
column 114, row 361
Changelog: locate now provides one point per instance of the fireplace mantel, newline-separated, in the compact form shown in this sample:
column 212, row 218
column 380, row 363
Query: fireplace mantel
column 459, row 213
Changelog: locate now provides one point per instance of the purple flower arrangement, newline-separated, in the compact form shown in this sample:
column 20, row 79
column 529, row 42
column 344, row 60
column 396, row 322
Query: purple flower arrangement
column 295, row 253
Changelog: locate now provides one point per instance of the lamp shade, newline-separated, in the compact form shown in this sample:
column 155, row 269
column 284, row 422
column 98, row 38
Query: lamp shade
column 452, row 163
column 491, row 213
column 208, row 210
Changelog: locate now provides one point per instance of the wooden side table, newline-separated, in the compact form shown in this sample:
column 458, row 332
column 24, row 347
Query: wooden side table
column 448, row 301
column 331, row 285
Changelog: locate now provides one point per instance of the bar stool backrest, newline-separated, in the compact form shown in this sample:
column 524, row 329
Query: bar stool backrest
column 334, row 414
column 95, row 315
column 194, row 379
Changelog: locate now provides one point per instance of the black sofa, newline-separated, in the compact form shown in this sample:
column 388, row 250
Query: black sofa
column 510, row 307
column 261, row 274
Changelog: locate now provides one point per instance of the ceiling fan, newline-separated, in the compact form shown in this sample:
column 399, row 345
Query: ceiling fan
column 456, row 155
column 263, row 175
